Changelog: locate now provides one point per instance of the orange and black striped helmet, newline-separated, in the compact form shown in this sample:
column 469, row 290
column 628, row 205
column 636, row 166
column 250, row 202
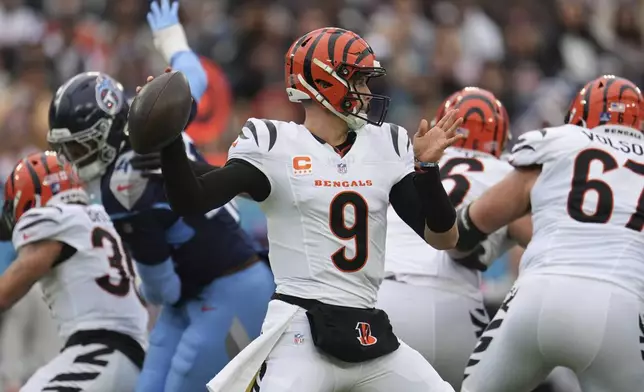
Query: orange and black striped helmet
column 607, row 100
column 34, row 181
column 321, row 65
column 485, row 120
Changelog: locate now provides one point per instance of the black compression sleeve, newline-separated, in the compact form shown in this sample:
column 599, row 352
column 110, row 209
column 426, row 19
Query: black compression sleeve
column 406, row 202
column 420, row 200
column 437, row 208
column 201, row 168
column 191, row 194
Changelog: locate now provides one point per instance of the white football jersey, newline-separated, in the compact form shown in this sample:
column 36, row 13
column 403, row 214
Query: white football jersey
column 94, row 288
column 466, row 175
column 326, row 214
column 587, row 204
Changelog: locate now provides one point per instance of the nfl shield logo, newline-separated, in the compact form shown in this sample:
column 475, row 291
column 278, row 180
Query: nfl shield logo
column 604, row 117
column 109, row 97
column 342, row 168
column 55, row 187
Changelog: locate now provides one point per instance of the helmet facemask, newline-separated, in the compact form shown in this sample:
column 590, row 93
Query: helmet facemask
column 88, row 151
column 354, row 107
column 354, row 101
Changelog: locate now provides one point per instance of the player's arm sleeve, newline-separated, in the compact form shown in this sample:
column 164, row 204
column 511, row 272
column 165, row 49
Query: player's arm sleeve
column 145, row 235
column 173, row 45
column 190, row 194
column 419, row 198
column 188, row 62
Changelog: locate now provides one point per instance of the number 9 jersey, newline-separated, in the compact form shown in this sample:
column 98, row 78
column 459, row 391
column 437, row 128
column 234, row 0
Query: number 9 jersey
column 327, row 210
column 91, row 286
column 587, row 204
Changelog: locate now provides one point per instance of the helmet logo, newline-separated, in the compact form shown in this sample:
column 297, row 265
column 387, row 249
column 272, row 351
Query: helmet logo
column 108, row 96
column 618, row 107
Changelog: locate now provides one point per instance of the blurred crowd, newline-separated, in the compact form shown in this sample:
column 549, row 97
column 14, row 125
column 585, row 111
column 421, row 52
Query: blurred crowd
column 532, row 54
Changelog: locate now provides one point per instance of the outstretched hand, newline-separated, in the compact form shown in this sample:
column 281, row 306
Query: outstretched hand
column 430, row 144
column 163, row 15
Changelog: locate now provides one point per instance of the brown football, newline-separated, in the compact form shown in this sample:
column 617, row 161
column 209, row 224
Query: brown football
column 159, row 112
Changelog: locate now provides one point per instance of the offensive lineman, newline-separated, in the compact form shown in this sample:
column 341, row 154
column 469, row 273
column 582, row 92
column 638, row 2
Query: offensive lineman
column 579, row 299
column 445, row 326
column 325, row 186
column 86, row 276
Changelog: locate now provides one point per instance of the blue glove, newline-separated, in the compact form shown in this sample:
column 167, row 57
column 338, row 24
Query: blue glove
column 162, row 17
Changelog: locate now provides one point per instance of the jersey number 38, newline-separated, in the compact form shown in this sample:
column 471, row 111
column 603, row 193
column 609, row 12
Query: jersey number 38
column 103, row 239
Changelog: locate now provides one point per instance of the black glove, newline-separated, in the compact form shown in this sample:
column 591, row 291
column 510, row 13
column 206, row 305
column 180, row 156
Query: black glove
column 148, row 164
column 6, row 226
column 472, row 261
column 469, row 236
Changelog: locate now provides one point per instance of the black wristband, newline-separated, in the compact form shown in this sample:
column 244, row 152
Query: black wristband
column 469, row 236
column 437, row 208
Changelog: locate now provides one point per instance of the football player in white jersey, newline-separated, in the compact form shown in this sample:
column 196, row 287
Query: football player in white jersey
column 579, row 298
column 86, row 276
column 325, row 186
column 445, row 326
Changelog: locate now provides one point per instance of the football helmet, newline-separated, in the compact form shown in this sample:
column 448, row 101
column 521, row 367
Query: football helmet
column 87, row 120
column 322, row 65
column 37, row 180
column 485, row 120
column 607, row 100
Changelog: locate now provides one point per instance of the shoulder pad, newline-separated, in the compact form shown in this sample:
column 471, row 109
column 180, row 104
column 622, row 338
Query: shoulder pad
column 261, row 132
column 399, row 139
column 57, row 222
column 255, row 140
column 543, row 145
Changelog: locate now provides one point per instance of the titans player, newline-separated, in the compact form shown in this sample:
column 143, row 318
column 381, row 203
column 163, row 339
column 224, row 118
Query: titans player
column 203, row 269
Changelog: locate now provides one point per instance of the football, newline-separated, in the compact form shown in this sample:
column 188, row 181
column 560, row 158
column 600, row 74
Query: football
column 159, row 112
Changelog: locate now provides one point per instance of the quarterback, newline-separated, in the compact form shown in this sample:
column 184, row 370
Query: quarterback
column 86, row 276
column 579, row 299
column 325, row 186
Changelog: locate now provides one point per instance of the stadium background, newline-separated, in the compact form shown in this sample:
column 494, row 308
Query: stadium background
column 532, row 54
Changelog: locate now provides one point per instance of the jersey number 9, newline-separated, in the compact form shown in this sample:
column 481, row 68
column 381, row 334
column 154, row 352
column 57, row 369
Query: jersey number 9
column 358, row 231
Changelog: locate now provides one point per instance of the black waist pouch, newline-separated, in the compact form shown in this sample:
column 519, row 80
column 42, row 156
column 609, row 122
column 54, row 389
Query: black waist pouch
column 348, row 334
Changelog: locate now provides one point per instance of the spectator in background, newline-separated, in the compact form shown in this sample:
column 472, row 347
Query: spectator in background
column 24, row 107
column 19, row 24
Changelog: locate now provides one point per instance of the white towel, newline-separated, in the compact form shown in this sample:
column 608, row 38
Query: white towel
column 240, row 373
